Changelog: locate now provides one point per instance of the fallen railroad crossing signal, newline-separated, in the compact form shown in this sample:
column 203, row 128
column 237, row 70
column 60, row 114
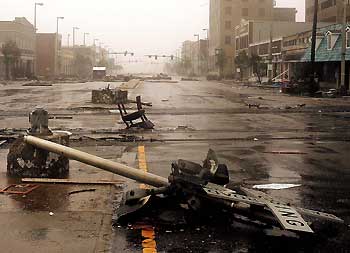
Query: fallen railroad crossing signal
column 197, row 186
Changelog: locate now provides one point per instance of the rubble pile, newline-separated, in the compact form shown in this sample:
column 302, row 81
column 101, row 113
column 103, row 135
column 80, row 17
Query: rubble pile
column 109, row 96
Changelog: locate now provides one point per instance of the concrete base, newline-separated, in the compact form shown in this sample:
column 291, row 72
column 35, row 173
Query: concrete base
column 24, row 160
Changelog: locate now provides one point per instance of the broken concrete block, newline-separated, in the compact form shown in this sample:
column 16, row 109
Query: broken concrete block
column 109, row 96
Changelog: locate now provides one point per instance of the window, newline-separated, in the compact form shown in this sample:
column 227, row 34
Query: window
column 227, row 40
column 228, row 10
column 245, row 12
column 261, row 12
column 228, row 25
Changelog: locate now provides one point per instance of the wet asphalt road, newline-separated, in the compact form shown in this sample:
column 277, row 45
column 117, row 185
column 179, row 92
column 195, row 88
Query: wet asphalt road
column 190, row 118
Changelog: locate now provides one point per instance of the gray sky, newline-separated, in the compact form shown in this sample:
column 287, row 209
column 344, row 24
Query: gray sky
column 141, row 26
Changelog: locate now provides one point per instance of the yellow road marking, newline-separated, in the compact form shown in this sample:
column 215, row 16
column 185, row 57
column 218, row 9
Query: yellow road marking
column 148, row 244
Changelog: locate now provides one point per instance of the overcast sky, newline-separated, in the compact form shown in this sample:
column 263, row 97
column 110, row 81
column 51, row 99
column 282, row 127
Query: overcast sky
column 141, row 26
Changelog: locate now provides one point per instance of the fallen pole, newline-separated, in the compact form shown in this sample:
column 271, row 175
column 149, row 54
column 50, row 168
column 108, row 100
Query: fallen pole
column 114, row 167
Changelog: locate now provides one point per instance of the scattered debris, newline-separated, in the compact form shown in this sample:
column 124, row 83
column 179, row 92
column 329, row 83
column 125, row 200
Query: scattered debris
column 275, row 186
column 69, row 181
column 165, row 100
column 132, row 84
column 256, row 139
column 189, row 79
column 21, row 189
column 109, row 96
column 51, row 213
column 80, row 191
column 161, row 81
column 38, row 83
column 285, row 152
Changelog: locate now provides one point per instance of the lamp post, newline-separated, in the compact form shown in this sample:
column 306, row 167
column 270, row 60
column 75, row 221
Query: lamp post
column 85, row 38
column 34, row 63
column 35, row 5
column 198, row 52
column 57, row 68
column 343, row 52
column 74, row 28
column 207, row 30
column 68, row 39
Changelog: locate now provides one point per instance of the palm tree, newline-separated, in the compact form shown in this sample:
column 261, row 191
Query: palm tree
column 11, row 55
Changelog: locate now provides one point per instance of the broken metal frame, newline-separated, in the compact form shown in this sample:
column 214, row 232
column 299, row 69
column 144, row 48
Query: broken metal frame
column 29, row 188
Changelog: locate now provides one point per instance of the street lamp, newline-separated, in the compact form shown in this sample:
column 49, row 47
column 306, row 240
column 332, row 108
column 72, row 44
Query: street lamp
column 57, row 45
column 198, row 52
column 34, row 62
column 74, row 28
column 85, row 37
column 35, row 5
column 207, row 30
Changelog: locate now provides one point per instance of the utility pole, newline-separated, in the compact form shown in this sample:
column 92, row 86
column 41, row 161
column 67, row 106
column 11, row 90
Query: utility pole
column 270, row 65
column 68, row 39
column 343, row 51
column 74, row 28
column 198, row 52
column 313, row 41
column 57, row 62
column 35, row 46
column 85, row 38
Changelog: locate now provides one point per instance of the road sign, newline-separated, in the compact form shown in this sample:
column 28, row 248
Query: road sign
column 288, row 217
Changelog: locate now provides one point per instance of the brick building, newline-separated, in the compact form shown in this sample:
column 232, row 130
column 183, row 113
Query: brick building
column 22, row 32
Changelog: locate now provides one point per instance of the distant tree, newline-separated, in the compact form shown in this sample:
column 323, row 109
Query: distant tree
column 11, row 54
column 242, row 61
column 255, row 63
column 83, row 66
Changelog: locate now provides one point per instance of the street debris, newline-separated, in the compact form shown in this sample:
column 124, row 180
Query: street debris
column 139, row 115
column 38, row 83
column 70, row 181
column 165, row 100
column 197, row 186
column 80, row 191
column 285, row 152
column 256, row 139
column 21, row 189
column 275, row 186
column 109, row 96
column 132, row 84
column 51, row 213
column 189, row 79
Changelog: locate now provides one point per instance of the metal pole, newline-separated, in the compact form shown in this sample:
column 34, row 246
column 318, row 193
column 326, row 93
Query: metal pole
column 57, row 45
column 270, row 67
column 343, row 51
column 313, row 41
column 85, row 38
column 98, row 162
column 68, row 39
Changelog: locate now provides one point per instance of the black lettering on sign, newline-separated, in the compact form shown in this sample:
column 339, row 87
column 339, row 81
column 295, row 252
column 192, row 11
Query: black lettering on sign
column 295, row 223
column 288, row 214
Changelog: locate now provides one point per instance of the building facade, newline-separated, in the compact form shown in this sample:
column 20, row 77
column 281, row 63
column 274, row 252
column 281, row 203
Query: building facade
column 225, row 15
column 22, row 32
column 328, row 11
column 48, row 62
column 254, row 37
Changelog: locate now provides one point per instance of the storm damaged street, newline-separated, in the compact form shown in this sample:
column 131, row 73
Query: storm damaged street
column 175, row 126
column 280, row 143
